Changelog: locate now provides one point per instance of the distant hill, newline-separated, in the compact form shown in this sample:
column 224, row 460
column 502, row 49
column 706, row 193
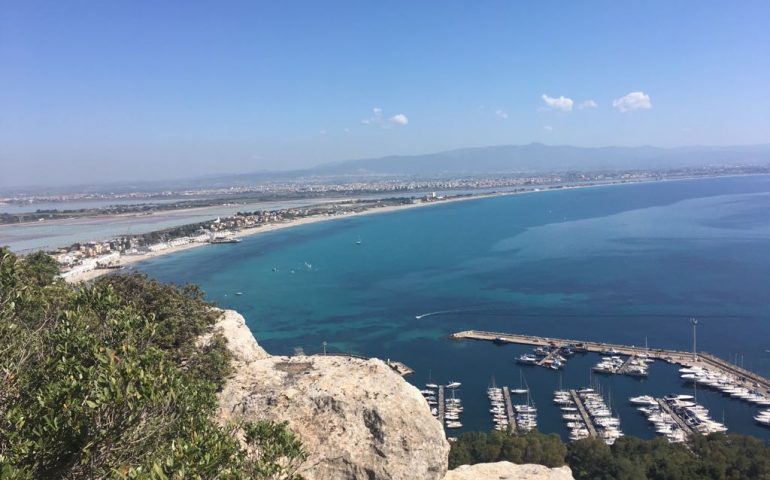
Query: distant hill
column 539, row 158
column 534, row 158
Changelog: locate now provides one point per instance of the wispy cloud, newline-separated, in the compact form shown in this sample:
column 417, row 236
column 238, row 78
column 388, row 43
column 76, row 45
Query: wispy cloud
column 633, row 101
column 377, row 118
column 587, row 104
column 548, row 128
column 562, row 103
column 502, row 114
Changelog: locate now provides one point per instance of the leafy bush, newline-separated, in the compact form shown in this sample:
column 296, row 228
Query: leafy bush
column 108, row 380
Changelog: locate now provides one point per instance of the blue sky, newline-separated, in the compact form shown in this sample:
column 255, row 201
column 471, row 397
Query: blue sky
column 139, row 89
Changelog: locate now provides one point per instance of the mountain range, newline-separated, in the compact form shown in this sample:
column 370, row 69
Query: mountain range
column 533, row 158
column 539, row 158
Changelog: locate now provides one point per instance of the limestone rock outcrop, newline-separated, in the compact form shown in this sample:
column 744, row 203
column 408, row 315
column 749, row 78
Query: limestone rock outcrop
column 508, row 471
column 240, row 341
column 357, row 418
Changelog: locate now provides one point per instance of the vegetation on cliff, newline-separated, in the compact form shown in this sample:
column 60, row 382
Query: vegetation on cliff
column 717, row 456
column 109, row 380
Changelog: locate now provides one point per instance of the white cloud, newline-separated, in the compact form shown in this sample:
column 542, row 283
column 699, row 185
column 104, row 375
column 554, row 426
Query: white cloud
column 399, row 119
column 502, row 114
column 377, row 118
column 548, row 128
column 562, row 103
column 632, row 101
column 587, row 104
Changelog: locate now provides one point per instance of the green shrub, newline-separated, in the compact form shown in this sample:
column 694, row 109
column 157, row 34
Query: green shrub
column 108, row 380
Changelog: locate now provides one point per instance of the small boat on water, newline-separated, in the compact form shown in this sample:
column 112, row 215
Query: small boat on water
column 578, row 348
column 527, row 359
column 609, row 351
column 430, row 383
column 541, row 351
column 453, row 384
column 522, row 389
column 643, row 400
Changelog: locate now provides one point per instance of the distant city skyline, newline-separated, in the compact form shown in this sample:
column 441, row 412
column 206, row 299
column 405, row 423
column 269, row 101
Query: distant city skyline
column 106, row 91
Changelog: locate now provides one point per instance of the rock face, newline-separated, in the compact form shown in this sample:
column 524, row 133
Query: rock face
column 357, row 418
column 508, row 471
column 240, row 341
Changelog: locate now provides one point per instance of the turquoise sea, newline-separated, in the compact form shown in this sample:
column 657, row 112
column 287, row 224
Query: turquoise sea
column 618, row 263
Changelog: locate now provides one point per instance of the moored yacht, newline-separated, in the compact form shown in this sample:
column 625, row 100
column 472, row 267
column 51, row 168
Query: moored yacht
column 643, row 400
column 527, row 359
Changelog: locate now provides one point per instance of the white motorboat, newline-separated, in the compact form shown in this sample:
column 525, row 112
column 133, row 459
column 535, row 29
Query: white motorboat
column 643, row 400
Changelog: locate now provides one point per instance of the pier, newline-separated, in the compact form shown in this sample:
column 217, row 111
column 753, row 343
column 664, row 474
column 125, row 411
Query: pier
column 548, row 357
column 509, row 408
column 682, row 424
column 625, row 365
column 583, row 413
column 704, row 360
column 441, row 404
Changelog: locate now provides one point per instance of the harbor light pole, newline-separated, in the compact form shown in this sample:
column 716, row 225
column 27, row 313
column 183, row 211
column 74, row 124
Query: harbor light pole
column 324, row 344
column 694, row 322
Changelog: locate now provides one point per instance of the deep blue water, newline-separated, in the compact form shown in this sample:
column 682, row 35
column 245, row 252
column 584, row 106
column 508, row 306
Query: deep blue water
column 618, row 263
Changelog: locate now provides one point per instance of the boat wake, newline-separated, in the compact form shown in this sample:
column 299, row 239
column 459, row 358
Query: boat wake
column 440, row 312
column 494, row 311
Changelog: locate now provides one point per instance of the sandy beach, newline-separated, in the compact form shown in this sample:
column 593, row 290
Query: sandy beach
column 126, row 260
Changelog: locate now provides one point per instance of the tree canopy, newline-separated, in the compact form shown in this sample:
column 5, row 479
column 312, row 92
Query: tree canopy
column 713, row 457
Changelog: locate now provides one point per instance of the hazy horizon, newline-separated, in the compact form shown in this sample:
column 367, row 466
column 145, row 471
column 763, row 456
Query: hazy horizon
column 98, row 92
column 181, row 177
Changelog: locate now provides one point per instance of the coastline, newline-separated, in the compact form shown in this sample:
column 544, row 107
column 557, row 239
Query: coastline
column 127, row 260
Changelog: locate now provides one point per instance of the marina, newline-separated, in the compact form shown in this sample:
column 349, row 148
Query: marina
column 696, row 360
column 525, row 415
column 446, row 409
column 679, row 421
column 509, row 408
column 587, row 415
column 500, row 418
column 587, row 422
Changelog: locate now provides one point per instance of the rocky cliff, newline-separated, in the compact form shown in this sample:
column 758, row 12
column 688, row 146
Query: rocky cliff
column 357, row 418
column 508, row 471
